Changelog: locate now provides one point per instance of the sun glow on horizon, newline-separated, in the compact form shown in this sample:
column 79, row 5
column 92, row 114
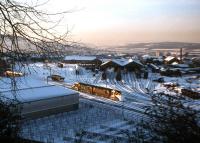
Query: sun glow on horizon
column 108, row 22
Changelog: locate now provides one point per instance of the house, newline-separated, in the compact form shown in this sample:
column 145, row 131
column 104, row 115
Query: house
column 87, row 61
column 42, row 101
column 170, row 59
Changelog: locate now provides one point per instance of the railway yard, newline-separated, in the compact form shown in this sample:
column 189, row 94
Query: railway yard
column 115, row 71
column 98, row 119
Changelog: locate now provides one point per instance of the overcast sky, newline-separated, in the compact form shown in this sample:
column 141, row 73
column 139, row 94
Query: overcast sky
column 113, row 22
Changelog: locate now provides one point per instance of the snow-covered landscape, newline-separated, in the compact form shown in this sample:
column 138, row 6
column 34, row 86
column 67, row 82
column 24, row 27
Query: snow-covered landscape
column 101, row 119
column 99, row 71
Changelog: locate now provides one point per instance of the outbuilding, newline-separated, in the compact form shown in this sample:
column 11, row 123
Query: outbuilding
column 43, row 101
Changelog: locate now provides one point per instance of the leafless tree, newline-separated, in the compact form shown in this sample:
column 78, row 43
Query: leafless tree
column 25, row 29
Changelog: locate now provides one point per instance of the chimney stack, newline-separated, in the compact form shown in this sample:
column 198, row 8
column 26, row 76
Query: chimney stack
column 181, row 55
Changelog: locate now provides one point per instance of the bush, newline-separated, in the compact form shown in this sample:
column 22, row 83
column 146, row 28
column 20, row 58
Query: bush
column 9, row 121
column 170, row 121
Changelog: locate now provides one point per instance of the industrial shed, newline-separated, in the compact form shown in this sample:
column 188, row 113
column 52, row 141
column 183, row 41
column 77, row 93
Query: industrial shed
column 128, row 64
column 88, row 61
column 43, row 101
column 110, row 64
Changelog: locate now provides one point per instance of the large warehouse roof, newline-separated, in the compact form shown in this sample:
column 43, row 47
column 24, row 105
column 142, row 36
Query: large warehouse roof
column 21, row 83
column 38, row 93
column 123, row 62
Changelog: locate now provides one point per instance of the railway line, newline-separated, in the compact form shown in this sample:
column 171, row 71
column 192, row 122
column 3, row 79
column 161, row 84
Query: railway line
column 119, row 106
column 133, row 90
column 131, row 85
column 130, row 108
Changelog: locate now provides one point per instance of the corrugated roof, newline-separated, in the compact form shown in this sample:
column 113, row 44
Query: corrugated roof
column 38, row 93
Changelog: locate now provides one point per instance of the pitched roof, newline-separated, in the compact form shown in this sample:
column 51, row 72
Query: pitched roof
column 123, row 62
column 169, row 58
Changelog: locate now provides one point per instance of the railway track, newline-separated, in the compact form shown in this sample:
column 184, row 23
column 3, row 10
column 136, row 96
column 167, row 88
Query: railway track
column 116, row 105
column 131, row 109
column 135, row 98
column 128, row 106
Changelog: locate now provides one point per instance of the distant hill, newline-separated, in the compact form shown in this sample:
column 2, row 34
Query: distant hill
column 132, row 48
column 147, row 47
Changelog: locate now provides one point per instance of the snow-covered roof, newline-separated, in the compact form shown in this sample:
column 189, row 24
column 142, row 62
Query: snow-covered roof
column 38, row 93
column 21, row 83
column 105, row 63
column 169, row 58
column 154, row 66
column 122, row 62
column 79, row 57
column 180, row 65
column 145, row 57
column 174, row 63
column 158, row 59
column 138, row 62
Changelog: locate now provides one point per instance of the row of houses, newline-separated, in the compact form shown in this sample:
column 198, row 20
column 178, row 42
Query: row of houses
column 160, row 60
